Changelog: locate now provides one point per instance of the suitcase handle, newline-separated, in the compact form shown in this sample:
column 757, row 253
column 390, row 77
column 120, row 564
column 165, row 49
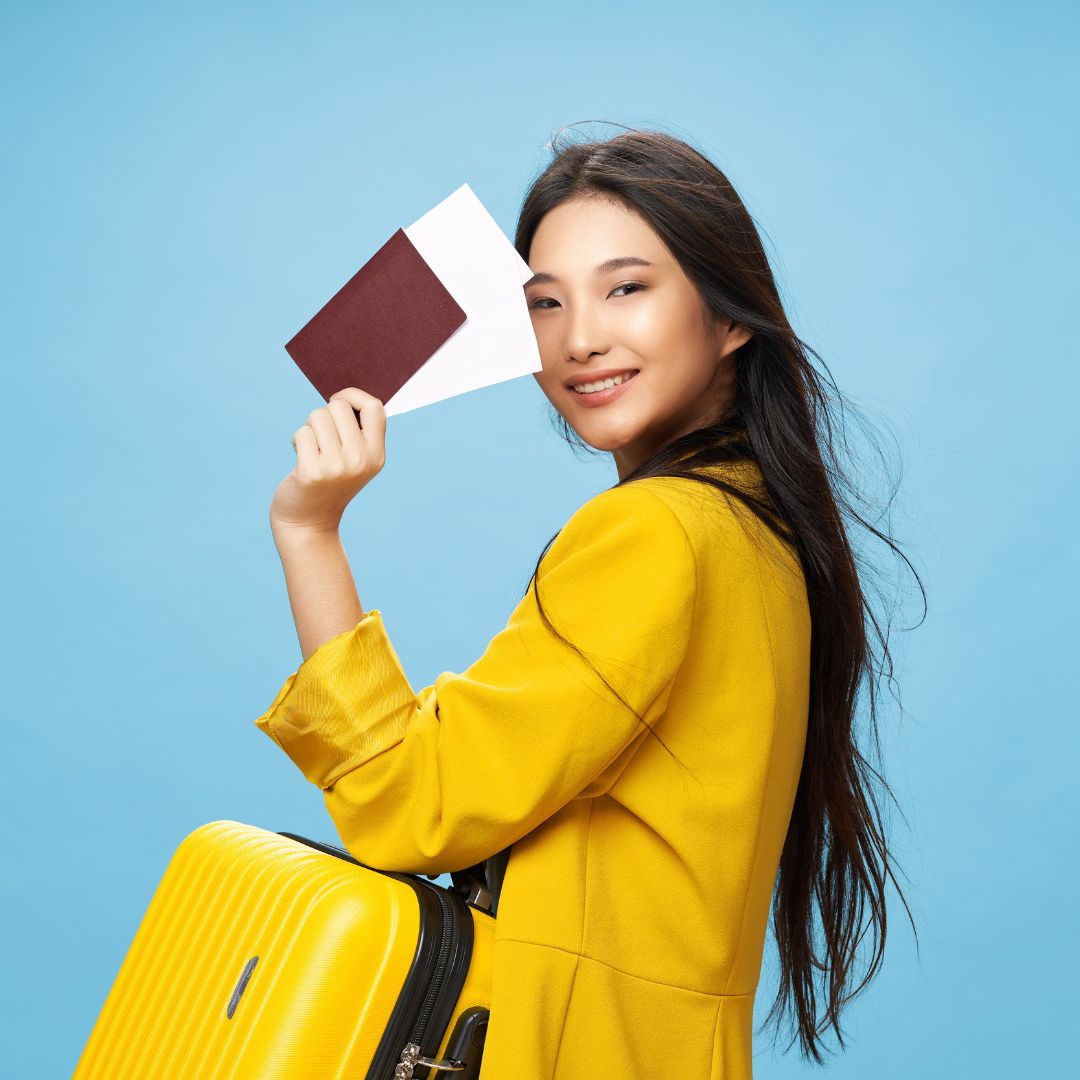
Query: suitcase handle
column 481, row 884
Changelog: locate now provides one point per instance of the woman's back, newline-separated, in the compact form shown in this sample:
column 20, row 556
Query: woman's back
column 641, row 908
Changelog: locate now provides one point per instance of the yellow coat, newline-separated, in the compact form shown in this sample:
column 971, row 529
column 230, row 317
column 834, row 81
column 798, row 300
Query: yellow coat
column 634, row 908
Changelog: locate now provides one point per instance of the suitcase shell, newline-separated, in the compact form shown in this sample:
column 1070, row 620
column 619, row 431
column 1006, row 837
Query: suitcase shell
column 268, row 956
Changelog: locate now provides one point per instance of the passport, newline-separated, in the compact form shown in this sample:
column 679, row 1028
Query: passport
column 437, row 311
column 379, row 327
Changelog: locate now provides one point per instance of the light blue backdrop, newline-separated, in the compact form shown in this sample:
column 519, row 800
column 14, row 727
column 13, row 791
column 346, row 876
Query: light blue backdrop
column 183, row 188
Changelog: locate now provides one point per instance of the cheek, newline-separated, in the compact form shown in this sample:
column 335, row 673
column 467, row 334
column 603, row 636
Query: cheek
column 643, row 327
column 655, row 328
column 549, row 384
column 545, row 344
column 676, row 338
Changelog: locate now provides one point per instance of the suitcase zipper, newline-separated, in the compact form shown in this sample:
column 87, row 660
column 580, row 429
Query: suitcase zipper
column 438, row 973
column 445, row 942
column 410, row 1054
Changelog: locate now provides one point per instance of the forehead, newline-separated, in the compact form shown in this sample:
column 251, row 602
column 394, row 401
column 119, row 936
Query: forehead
column 583, row 232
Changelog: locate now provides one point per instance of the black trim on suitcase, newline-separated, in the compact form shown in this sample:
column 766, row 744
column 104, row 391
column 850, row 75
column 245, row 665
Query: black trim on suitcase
column 438, row 971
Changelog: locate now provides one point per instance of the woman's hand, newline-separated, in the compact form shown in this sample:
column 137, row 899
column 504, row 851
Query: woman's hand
column 336, row 456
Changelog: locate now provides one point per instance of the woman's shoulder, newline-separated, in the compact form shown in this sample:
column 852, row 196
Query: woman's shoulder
column 715, row 520
column 673, row 516
column 620, row 563
column 626, row 521
column 697, row 503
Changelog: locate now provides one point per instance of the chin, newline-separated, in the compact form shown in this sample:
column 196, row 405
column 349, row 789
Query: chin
column 600, row 434
column 609, row 442
column 607, row 445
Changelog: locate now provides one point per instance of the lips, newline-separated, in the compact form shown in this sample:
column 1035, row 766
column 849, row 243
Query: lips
column 602, row 397
column 600, row 376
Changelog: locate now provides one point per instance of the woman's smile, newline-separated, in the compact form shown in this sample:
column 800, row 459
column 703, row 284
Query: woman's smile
column 592, row 398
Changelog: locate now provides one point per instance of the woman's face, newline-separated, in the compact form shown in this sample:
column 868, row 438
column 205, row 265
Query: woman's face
column 593, row 320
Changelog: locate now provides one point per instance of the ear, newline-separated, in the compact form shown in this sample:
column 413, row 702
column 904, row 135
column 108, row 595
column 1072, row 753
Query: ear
column 732, row 337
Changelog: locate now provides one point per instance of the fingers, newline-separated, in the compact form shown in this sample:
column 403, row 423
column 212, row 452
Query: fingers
column 336, row 436
column 350, row 438
column 306, row 445
column 372, row 412
column 369, row 428
column 326, row 433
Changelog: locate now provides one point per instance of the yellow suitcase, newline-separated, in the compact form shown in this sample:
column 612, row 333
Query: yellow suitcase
column 269, row 956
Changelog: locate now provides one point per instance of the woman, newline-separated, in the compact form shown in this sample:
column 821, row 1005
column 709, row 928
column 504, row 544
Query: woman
column 656, row 731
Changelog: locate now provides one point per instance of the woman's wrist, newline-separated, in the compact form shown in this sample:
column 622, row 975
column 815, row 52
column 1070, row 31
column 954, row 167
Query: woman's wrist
column 291, row 534
column 320, row 584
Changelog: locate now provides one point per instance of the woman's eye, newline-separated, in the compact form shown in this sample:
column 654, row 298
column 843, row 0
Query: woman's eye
column 629, row 285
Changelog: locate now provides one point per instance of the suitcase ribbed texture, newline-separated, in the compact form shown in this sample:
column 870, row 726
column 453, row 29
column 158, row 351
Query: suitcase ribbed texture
column 334, row 944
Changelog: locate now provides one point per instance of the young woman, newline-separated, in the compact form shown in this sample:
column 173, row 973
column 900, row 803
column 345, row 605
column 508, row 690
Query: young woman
column 664, row 730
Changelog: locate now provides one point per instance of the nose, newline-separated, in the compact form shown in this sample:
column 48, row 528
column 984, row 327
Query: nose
column 584, row 332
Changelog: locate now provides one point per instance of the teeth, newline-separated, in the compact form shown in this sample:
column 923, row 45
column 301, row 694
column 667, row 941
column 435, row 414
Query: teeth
column 593, row 387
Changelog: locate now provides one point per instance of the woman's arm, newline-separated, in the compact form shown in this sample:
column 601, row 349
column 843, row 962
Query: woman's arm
column 439, row 779
column 336, row 456
column 320, row 584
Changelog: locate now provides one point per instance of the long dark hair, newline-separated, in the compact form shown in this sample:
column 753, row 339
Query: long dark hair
column 835, row 856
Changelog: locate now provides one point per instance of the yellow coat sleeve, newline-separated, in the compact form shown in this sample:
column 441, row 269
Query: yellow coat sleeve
column 438, row 780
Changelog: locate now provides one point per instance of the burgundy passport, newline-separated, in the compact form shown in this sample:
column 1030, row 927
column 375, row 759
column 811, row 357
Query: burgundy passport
column 380, row 327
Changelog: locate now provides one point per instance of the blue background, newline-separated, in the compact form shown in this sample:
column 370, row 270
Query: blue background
column 183, row 188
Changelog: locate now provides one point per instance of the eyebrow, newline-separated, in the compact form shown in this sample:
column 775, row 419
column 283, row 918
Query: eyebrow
column 604, row 268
